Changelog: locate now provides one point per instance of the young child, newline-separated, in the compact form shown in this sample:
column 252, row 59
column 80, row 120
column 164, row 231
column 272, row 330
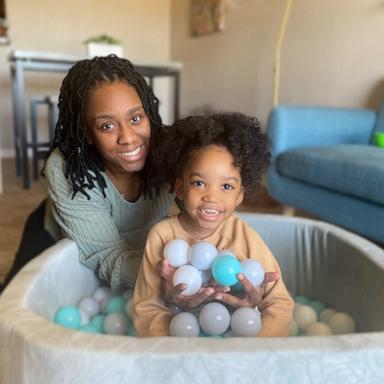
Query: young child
column 209, row 163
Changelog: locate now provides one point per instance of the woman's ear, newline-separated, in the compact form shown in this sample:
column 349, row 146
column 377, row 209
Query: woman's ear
column 179, row 190
column 240, row 198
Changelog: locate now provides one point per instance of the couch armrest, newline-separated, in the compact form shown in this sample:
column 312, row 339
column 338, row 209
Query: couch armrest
column 292, row 127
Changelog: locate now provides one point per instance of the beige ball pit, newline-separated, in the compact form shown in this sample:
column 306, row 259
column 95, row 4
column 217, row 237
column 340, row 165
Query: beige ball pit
column 317, row 259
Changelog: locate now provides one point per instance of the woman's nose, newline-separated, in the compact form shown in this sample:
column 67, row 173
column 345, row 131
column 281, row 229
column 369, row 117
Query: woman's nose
column 126, row 135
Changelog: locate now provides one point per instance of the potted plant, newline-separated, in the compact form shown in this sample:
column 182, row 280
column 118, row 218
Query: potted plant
column 103, row 45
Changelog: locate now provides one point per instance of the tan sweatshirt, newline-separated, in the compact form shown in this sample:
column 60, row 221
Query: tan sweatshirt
column 151, row 315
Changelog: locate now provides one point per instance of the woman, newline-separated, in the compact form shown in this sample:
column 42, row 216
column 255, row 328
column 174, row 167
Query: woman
column 99, row 193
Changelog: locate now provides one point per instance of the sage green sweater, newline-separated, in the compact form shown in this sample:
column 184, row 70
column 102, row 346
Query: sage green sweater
column 110, row 232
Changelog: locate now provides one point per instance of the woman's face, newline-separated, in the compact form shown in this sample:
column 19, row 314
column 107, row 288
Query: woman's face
column 118, row 127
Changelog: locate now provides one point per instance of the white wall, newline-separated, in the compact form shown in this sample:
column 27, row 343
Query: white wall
column 62, row 26
column 333, row 54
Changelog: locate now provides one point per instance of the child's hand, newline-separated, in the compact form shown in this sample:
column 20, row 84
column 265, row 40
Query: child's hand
column 253, row 296
column 173, row 294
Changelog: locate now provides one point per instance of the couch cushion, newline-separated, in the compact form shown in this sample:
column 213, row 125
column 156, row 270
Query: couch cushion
column 356, row 170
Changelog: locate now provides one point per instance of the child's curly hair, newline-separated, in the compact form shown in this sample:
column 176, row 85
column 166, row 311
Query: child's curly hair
column 239, row 133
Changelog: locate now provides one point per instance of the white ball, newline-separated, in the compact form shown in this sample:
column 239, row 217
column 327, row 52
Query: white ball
column 89, row 306
column 84, row 318
column 176, row 252
column 214, row 318
column 202, row 254
column 254, row 271
column 226, row 252
column 184, row 324
column 246, row 322
column 101, row 293
column 326, row 314
column 293, row 328
column 116, row 324
column 187, row 274
column 318, row 329
column 129, row 308
column 304, row 316
column 205, row 276
column 341, row 323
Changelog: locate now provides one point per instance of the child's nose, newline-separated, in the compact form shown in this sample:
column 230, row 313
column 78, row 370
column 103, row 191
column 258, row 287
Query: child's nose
column 211, row 194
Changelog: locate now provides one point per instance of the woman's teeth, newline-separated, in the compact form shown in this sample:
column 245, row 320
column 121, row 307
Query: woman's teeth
column 131, row 153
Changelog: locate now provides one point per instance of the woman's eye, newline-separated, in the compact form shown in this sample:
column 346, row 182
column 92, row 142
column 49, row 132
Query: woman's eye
column 136, row 119
column 107, row 126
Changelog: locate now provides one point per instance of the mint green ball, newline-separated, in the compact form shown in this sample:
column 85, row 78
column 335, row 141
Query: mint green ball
column 97, row 322
column 301, row 299
column 68, row 317
column 116, row 304
column 88, row 328
column 318, row 306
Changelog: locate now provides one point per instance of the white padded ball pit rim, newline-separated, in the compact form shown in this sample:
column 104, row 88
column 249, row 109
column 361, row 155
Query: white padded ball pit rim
column 34, row 350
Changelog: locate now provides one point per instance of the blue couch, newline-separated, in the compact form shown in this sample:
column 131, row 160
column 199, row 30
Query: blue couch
column 324, row 163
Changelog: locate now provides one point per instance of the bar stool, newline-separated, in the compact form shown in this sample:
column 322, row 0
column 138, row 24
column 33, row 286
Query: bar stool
column 40, row 149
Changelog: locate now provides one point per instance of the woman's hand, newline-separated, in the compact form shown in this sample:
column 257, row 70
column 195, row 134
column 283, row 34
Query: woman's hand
column 173, row 294
column 252, row 296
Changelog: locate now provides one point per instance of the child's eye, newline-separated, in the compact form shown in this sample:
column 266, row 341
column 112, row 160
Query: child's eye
column 198, row 183
column 227, row 187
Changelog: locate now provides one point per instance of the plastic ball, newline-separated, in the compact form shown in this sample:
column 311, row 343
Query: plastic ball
column 318, row 306
column 246, row 322
column 68, row 317
column 101, row 293
column 116, row 324
column 202, row 254
column 318, row 329
column 304, row 316
column 189, row 275
column 116, row 304
column 89, row 305
column 214, row 318
column 176, row 252
column 326, row 314
column 226, row 252
column 301, row 299
column 224, row 270
column 254, row 271
column 129, row 308
column 97, row 321
column 293, row 328
column 205, row 276
column 88, row 328
column 104, row 303
column 341, row 323
column 84, row 318
column 184, row 324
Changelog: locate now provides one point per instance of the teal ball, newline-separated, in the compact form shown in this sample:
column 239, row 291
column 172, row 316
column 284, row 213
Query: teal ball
column 68, row 317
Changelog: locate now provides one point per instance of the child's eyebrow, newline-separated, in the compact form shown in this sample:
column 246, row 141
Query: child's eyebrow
column 228, row 178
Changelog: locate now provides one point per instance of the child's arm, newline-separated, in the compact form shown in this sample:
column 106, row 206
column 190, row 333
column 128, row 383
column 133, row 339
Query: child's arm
column 151, row 316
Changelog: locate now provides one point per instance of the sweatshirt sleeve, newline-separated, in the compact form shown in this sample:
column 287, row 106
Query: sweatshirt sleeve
column 151, row 316
column 89, row 223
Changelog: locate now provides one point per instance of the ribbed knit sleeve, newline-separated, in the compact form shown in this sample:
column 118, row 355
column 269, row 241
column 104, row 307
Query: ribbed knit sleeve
column 109, row 231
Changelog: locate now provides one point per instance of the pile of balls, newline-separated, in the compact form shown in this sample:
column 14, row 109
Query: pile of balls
column 100, row 312
column 196, row 265
column 313, row 318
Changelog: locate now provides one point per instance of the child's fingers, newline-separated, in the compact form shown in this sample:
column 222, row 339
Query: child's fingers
column 165, row 270
column 269, row 277
column 227, row 298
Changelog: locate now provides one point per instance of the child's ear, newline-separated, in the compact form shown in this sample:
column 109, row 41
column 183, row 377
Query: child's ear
column 179, row 190
column 240, row 198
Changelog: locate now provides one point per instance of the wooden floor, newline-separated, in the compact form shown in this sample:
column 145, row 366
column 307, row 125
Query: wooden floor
column 16, row 203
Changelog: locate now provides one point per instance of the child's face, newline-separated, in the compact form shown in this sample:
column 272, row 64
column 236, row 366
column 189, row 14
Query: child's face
column 210, row 188
column 118, row 127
